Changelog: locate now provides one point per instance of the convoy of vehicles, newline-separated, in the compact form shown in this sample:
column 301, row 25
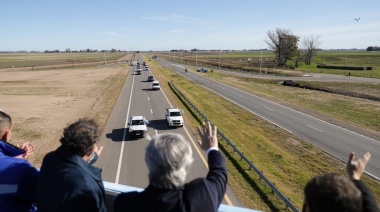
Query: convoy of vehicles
column 138, row 125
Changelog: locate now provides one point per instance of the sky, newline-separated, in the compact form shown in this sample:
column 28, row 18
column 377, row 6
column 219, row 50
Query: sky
column 39, row 25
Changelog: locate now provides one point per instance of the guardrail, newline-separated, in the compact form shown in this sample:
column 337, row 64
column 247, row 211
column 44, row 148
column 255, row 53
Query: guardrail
column 261, row 175
column 113, row 189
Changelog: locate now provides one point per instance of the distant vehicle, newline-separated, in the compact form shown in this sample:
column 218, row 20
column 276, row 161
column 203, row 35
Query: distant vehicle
column 137, row 126
column 151, row 78
column 202, row 70
column 138, row 71
column 156, row 85
column 289, row 83
column 144, row 63
column 174, row 117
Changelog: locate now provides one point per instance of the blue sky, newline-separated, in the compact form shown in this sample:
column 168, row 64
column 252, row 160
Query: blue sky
column 36, row 25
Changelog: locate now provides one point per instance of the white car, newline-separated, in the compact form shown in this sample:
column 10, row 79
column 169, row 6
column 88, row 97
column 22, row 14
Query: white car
column 156, row 85
column 137, row 126
column 174, row 117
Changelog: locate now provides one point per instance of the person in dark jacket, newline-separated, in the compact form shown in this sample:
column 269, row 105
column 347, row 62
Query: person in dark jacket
column 333, row 192
column 168, row 157
column 67, row 180
column 18, row 178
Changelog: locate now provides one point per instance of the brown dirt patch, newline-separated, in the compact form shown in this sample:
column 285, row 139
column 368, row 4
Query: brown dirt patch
column 42, row 103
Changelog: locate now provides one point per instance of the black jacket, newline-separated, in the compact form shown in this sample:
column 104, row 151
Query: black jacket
column 369, row 201
column 68, row 183
column 202, row 194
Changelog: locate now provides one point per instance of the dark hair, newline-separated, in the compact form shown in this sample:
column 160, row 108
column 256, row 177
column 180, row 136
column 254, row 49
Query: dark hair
column 79, row 138
column 332, row 192
column 5, row 122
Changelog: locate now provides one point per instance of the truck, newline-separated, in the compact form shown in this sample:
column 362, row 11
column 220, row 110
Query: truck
column 174, row 117
column 137, row 126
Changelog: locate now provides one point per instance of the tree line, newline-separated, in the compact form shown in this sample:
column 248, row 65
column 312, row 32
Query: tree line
column 285, row 46
column 68, row 50
column 373, row 48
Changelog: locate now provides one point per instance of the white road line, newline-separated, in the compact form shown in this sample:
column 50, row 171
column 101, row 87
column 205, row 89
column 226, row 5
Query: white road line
column 269, row 108
column 156, row 132
column 151, row 111
column 124, row 134
column 248, row 109
column 148, row 98
column 315, row 128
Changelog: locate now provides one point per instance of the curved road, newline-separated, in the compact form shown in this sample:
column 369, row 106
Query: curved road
column 332, row 139
column 122, row 159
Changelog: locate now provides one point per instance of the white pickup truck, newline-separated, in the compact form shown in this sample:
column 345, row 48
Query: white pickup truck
column 174, row 117
column 137, row 126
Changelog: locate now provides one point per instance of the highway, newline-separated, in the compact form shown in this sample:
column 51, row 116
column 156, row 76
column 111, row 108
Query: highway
column 334, row 140
column 122, row 159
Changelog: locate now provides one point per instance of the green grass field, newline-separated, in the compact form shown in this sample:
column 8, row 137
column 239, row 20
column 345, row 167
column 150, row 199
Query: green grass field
column 238, row 59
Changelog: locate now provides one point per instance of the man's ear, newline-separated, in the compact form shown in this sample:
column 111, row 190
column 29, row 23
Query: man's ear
column 7, row 136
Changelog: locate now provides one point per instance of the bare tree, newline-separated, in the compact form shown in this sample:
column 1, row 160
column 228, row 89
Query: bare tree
column 310, row 44
column 284, row 45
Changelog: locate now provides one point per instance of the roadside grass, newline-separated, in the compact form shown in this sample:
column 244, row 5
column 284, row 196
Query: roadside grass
column 286, row 160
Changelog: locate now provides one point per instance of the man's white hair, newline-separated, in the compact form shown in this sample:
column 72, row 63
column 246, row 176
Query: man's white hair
column 168, row 157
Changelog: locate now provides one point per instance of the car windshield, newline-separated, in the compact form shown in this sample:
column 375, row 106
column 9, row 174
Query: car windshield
column 156, row 84
column 137, row 122
column 175, row 114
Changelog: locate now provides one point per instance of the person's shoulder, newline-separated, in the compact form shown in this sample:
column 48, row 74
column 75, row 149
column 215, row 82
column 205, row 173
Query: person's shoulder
column 124, row 200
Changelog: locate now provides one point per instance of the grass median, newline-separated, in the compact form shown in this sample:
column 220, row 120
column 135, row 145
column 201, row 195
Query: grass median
column 286, row 160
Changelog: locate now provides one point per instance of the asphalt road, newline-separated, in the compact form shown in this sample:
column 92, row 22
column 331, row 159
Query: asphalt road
column 332, row 139
column 122, row 159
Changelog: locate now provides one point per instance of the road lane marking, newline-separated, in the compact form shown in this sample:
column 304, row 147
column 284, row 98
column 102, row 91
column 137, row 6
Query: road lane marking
column 124, row 134
column 248, row 110
column 315, row 128
column 156, row 132
column 269, row 108
column 151, row 111
column 148, row 98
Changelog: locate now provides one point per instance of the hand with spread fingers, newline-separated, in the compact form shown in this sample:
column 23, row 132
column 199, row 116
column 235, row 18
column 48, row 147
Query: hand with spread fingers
column 28, row 147
column 355, row 168
column 208, row 136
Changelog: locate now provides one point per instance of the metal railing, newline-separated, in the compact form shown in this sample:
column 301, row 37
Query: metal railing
column 113, row 189
column 261, row 175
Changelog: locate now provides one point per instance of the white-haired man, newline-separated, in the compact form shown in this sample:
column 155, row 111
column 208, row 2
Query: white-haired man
column 169, row 157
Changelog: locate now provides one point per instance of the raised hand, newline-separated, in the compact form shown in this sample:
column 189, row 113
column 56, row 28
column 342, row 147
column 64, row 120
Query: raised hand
column 355, row 168
column 208, row 136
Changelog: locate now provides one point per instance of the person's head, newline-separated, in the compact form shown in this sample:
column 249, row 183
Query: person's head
column 80, row 137
column 332, row 192
column 168, row 157
column 5, row 127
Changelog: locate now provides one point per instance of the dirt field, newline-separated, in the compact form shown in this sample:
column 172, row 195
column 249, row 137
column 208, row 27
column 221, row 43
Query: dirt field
column 42, row 103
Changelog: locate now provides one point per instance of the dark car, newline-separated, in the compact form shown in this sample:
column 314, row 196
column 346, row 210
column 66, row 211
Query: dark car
column 202, row 70
column 289, row 83
column 151, row 78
